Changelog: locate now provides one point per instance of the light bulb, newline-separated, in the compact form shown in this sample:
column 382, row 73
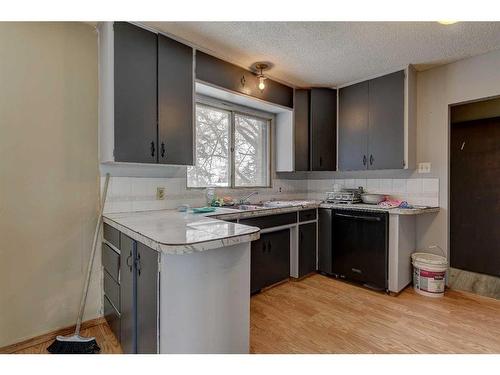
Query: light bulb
column 262, row 85
column 447, row 22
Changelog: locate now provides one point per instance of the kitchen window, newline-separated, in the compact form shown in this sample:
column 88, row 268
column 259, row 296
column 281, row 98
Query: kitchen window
column 232, row 148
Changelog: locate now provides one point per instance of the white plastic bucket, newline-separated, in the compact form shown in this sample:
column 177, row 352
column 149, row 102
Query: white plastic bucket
column 429, row 273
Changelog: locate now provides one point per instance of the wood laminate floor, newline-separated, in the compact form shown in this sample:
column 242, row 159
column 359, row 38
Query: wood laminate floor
column 322, row 315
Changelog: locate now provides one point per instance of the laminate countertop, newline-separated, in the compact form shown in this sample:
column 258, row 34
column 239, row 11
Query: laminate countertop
column 173, row 232
column 372, row 207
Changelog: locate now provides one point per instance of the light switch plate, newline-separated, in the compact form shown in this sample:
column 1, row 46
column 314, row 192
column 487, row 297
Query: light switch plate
column 424, row 167
column 160, row 193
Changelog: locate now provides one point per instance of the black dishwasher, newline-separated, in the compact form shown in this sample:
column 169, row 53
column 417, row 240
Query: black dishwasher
column 360, row 246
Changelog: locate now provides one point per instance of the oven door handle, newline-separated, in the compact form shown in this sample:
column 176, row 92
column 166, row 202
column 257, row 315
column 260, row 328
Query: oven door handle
column 359, row 217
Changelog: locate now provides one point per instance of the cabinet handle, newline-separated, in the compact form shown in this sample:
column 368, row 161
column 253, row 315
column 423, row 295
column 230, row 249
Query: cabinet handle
column 269, row 246
column 371, row 159
column 152, row 149
column 138, row 264
column 163, row 149
column 320, row 161
column 127, row 261
column 301, row 236
column 264, row 248
column 364, row 159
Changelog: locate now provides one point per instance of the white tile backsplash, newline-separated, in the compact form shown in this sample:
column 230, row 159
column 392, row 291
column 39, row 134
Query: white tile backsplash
column 399, row 186
column 139, row 194
column 423, row 191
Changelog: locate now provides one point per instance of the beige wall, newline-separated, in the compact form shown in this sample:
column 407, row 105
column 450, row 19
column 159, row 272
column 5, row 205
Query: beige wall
column 48, row 175
column 465, row 80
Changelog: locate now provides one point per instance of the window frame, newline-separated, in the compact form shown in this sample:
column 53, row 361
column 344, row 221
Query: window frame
column 234, row 109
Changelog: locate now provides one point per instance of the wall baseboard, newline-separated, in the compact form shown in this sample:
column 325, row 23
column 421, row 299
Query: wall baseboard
column 12, row 348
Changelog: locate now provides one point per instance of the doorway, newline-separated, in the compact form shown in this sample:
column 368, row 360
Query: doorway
column 475, row 187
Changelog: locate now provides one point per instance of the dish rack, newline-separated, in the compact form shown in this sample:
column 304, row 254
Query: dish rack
column 346, row 196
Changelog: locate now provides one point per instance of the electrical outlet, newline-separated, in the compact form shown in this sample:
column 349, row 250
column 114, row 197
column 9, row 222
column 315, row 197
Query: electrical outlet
column 160, row 193
column 424, row 167
column 279, row 189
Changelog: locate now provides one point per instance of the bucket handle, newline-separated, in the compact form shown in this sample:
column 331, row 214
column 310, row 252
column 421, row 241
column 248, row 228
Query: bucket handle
column 440, row 249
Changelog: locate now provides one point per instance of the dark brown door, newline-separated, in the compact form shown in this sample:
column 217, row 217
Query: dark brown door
column 475, row 196
column 353, row 127
column 135, row 52
column 301, row 108
column 323, row 129
column 175, row 102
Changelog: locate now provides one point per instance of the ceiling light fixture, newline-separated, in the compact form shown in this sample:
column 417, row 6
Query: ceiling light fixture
column 260, row 67
column 447, row 22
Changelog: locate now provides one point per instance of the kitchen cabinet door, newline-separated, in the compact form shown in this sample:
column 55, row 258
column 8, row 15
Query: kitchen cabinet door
column 386, row 122
column 325, row 234
column 175, row 102
column 301, row 123
column 258, row 265
column 147, row 305
column 135, row 94
column 127, row 295
column 323, row 123
column 307, row 248
column 353, row 127
column 270, row 259
column 278, row 248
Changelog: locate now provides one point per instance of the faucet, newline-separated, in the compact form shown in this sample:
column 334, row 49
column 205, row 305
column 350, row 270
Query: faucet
column 244, row 199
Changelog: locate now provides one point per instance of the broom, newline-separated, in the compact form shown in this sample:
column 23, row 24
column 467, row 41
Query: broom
column 76, row 344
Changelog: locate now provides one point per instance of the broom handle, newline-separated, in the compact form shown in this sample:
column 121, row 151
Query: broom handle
column 91, row 260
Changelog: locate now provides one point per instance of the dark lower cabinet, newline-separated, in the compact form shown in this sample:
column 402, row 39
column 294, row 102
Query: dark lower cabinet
column 270, row 259
column 325, row 236
column 127, row 295
column 147, row 301
column 133, row 317
column 360, row 245
column 307, row 248
column 135, row 94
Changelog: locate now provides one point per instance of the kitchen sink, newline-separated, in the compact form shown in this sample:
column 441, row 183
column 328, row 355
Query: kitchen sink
column 250, row 207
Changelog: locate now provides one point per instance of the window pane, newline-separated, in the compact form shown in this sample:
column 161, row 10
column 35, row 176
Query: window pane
column 251, row 137
column 212, row 166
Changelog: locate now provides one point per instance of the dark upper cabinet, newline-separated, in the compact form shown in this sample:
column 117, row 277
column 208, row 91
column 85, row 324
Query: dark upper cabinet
column 372, row 124
column 386, row 122
column 301, row 134
column 135, row 94
column 323, row 129
column 175, row 102
column 221, row 73
column 147, row 306
column 353, row 127
column 307, row 248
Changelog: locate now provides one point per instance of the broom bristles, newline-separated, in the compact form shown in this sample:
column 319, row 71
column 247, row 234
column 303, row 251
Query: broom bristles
column 74, row 345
